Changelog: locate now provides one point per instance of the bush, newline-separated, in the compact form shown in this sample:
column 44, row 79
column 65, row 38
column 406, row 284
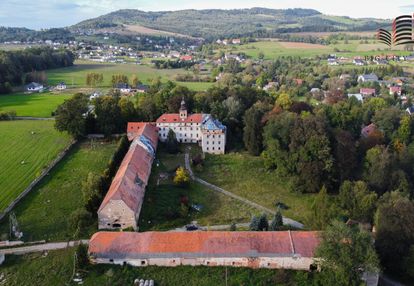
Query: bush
column 80, row 220
column 82, row 259
column 182, row 178
column 7, row 115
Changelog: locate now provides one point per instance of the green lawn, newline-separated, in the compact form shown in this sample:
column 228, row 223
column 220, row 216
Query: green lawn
column 26, row 148
column 246, row 176
column 161, row 209
column 274, row 49
column 35, row 105
column 56, row 269
column 44, row 213
column 75, row 76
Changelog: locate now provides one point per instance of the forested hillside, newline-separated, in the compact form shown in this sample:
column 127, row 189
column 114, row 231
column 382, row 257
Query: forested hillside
column 227, row 23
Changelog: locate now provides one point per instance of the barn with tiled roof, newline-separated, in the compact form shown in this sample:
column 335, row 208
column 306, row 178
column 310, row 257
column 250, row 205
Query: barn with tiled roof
column 272, row 249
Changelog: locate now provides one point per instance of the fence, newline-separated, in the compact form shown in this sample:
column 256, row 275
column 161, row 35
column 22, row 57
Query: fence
column 37, row 180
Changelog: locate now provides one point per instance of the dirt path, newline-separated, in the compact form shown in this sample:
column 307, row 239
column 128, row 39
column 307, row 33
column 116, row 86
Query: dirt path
column 41, row 247
column 286, row 220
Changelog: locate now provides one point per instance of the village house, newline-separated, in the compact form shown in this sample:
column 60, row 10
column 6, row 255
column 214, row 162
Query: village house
column 121, row 206
column 123, row 87
column 332, row 62
column 395, row 90
column 34, row 87
column 368, row 130
column 358, row 96
column 61, row 86
column 358, row 62
column 345, row 77
column 271, row 249
column 367, row 92
column 368, row 78
column 186, row 58
column 199, row 128
column 142, row 88
column 236, row 41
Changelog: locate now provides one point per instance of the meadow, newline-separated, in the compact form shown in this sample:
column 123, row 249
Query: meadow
column 56, row 268
column 33, row 105
column 44, row 213
column 26, row 148
column 75, row 76
column 161, row 209
column 273, row 49
column 245, row 175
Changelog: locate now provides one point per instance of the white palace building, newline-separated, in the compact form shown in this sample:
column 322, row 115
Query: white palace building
column 199, row 128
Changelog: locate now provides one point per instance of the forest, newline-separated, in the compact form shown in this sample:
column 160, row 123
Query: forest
column 14, row 65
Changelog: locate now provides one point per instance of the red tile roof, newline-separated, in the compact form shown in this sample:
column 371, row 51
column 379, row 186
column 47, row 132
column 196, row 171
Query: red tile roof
column 137, row 162
column 395, row 89
column 149, row 130
column 175, row 118
column 367, row 91
column 208, row 243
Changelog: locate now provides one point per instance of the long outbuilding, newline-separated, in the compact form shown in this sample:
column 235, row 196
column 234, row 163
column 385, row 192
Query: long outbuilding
column 272, row 249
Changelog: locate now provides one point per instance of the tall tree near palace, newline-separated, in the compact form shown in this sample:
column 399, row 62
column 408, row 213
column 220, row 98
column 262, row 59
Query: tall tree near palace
column 70, row 115
column 253, row 129
column 394, row 221
column 108, row 114
column 345, row 253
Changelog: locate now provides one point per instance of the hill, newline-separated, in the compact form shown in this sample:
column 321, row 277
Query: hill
column 216, row 23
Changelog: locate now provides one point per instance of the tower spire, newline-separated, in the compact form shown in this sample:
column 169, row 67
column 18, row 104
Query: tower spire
column 183, row 109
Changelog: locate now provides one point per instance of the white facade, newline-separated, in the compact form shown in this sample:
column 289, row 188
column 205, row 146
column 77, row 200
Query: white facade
column 203, row 129
column 185, row 132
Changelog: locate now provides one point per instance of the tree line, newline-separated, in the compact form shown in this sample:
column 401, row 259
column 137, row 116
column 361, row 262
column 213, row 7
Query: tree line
column 14, row 65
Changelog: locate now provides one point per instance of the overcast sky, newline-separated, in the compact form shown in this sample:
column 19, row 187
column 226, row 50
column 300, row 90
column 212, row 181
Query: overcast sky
column 38, row 14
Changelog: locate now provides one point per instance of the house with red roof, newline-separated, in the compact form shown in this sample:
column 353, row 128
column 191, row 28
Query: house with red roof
column 197, row 128
column 367, row 92
column 253, row 249
column 395, row 90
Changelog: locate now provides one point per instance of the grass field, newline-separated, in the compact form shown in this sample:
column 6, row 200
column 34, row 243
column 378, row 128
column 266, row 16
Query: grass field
column 273, row 49
column 34, row 105
column 44, row 213
column 162, row 202
column 18, row 145
column 56, row 269
column 75, row 76
column 246, row 176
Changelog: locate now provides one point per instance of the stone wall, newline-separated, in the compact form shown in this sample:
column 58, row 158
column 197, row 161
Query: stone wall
column 279, row 262
column 37, row 180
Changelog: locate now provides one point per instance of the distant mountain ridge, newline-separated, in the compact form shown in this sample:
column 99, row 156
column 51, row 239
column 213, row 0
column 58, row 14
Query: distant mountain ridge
column 214, row 23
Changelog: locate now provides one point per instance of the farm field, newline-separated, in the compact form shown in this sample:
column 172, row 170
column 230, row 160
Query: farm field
column 162, row 203
column 44, row 213
column 273, row 49
column 56, row 269
column 34, row 105
column 246, row 176
column 75, row 76
column 24, row 155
